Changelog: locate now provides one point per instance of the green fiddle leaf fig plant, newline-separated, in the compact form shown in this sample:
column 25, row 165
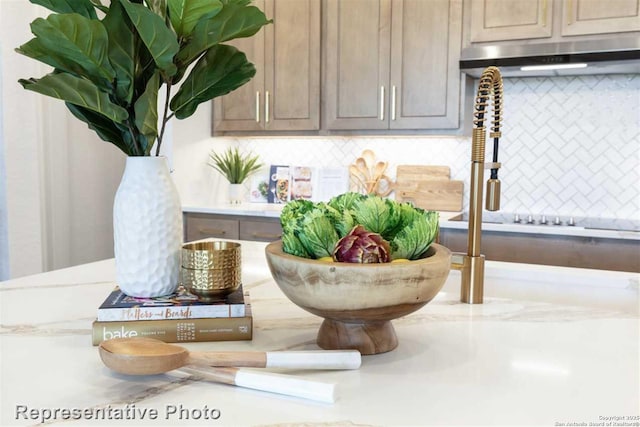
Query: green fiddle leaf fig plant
column 111, row 61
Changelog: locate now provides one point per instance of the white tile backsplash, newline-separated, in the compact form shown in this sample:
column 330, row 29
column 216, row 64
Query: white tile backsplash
column 570, row 146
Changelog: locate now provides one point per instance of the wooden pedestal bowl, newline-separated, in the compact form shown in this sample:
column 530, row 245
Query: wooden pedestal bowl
column 358, row 301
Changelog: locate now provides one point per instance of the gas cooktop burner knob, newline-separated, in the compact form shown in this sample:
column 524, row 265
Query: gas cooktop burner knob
column 516, row 219
column 544, row 220
column 557, row 221
column 572, row 221
column 530, row 220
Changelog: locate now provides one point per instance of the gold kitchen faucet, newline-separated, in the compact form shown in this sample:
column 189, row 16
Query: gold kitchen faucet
column 471, row 264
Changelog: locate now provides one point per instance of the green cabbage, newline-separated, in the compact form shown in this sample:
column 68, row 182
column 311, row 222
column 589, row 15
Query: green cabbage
column 378, row 215
column 419, row 231
column 346, row 201
column 308, row 229
column 311, row 230
column 317, row 233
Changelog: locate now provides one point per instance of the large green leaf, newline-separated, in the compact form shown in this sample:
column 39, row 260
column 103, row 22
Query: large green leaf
column 234, row 21
column 34, row 49
column 146, row 110
column 81, row 40
column 122, row 49
column 82, row 7
column 106, row 129
column 220, row 70
column 76, row 91
column 157, row 37
column 145, row 69
column 185, row 14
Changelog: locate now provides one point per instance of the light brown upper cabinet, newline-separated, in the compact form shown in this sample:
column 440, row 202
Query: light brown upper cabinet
column 580, row 17
column 493, row 20
column 285, row 92
column 550, row 20
column 391, row 64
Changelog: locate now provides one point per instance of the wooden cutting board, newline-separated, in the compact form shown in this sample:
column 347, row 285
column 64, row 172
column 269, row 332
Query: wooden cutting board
column 410, row 174
column 428, row 187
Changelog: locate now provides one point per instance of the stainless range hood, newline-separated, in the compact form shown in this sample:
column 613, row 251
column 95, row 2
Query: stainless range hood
column 610, row 56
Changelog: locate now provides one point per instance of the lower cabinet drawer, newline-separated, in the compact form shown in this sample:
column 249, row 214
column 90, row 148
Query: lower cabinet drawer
column 263, row 231
column 548, row 249
column 201, row 227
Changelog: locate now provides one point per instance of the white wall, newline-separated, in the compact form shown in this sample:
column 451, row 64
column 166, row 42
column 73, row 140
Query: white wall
column 21, row 134
column 198, row 183
column 60, row 177
column 4, row 238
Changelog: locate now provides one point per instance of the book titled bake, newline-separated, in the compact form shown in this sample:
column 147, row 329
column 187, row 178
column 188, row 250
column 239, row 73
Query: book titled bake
column 119, row 307
column 174, row 331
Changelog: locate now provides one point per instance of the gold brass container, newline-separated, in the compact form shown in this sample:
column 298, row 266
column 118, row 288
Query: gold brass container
column 211, row 269
column 210, row 254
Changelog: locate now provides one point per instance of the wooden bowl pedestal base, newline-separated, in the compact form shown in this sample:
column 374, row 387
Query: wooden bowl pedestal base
column 370, row 337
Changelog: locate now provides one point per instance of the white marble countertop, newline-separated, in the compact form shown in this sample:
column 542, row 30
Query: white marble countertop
column 273, row 211
column 550, row 345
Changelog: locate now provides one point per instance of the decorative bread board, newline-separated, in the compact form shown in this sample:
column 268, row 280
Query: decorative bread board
column 437, row 195
column 411, row 174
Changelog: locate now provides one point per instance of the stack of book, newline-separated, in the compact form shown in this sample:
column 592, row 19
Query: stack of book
column 179, row 317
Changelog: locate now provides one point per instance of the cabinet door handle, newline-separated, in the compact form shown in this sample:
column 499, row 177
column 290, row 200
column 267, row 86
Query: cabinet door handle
column 258, row 107
column 393, row 102
column 266, row 107
column 266, row 235
column 382, row 103
column 569, row 5
column 213, row 231
column 544, row 13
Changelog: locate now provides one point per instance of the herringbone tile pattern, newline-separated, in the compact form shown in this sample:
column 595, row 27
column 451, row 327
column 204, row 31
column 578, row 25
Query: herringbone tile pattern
column 571, row 146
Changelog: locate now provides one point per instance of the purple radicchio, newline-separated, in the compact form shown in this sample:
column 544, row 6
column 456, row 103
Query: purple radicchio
column 362, row 246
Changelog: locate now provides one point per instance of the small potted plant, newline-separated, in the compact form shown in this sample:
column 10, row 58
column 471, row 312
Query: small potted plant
column 236, row 168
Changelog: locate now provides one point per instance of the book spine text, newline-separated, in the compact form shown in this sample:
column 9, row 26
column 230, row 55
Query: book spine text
column 174, row 331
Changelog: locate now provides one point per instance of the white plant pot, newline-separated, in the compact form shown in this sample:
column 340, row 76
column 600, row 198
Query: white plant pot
column 147, row 224
column 236, row 193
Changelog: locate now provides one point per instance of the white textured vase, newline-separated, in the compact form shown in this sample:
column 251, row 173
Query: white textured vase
column 147, row 225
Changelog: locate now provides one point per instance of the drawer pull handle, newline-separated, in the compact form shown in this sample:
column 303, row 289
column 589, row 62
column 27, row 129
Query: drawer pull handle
column 215, row 231
column 382, row 103
column 258, row 107
column 393, row 102
column 266, row 235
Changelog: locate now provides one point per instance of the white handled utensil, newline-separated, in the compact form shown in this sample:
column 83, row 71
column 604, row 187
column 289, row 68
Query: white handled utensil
column 147, row 356
column 267, row 381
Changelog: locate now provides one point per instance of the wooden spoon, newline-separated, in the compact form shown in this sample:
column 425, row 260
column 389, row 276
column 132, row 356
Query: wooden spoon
column 369, row 158
column 147, row 356
column 361, row 164
column 355, row 172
